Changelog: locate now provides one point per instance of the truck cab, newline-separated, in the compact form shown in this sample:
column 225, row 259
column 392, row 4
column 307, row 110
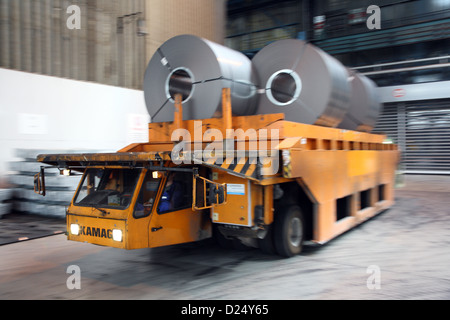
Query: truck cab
column 138, row 207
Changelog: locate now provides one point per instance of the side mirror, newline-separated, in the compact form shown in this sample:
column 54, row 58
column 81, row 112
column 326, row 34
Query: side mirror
column 39, row 182
column 216, row 194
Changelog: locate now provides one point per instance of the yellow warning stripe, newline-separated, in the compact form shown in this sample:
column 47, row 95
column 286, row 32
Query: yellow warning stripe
column 240, row 166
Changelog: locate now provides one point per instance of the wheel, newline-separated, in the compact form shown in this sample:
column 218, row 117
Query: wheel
column 288, row 231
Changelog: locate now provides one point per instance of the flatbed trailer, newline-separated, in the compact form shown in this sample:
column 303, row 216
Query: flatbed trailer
column 260, row 180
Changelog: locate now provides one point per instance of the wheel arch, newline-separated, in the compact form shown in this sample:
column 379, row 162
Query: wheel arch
column 297, row 193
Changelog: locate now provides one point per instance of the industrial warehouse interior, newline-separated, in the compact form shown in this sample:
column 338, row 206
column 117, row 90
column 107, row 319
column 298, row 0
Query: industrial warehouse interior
column 226, row 155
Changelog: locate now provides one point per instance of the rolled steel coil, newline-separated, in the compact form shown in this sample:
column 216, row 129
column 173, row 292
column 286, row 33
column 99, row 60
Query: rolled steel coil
column 365, row 106
column 198, row 69
column 303, row 82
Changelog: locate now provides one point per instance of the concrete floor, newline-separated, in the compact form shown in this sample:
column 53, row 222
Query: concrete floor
column 401, row 254
column 20, row 227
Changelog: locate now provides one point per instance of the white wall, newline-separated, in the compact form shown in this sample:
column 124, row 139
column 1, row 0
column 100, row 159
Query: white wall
column 49, row 113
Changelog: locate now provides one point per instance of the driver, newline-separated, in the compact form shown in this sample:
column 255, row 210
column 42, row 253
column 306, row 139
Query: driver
column 113, row 182
column 172, row 195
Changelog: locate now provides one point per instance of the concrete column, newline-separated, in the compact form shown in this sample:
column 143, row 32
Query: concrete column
column 91, row 40
column 56, row 38
column 114, row 49
column 74, row 46
column 168, row 18
column 82, row 51
column 16, row 46
column 36, row 36
column 26, row 30
column 47, row 65
column 5, row 39
column 66, row 62
column 128, row 46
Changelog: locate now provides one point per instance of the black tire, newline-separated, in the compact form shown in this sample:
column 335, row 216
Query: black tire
column 289, row 231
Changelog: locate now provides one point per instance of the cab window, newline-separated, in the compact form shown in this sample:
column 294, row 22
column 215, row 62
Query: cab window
column 177, row 193
column 108, row 188
column 147, row 195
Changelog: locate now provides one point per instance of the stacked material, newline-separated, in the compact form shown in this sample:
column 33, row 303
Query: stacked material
column 5, row 206
column 290, row 76
column 60, row 189
column 198, row 69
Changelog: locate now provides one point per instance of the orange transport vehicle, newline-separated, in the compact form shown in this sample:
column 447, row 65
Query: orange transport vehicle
column 259, row 180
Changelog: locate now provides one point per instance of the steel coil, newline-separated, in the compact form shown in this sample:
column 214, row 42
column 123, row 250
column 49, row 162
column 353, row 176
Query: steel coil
column 198, row 69
column 303, row 82
column 365, row 106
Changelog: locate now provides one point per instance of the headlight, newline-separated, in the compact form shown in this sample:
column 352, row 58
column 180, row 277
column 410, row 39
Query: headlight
column 75, row 229
column 117, row 235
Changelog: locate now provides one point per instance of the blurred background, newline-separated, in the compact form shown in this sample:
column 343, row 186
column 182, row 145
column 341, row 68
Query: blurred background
column 80, row 90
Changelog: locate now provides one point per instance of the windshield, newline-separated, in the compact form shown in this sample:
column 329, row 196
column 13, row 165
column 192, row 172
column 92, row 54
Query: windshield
column 107, row 188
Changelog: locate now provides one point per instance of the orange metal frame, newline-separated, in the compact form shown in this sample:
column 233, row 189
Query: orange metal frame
column 328, row 163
